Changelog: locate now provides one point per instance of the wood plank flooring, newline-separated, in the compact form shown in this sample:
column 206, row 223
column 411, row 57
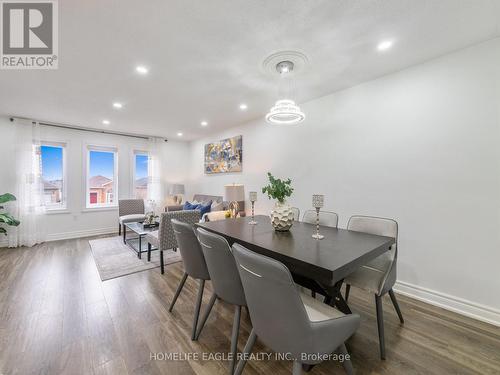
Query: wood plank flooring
column 58, row 317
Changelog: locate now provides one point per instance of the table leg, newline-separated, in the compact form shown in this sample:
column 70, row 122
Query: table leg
column 139, row 254
column 335, row 299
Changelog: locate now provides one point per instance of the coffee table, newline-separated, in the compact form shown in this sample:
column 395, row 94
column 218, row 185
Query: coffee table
column 137, row 243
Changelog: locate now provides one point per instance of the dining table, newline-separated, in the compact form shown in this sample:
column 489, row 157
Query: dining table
column 319, row 265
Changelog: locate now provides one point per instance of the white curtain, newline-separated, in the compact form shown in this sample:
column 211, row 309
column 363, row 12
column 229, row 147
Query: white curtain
column 29, row 207
column 155, row 186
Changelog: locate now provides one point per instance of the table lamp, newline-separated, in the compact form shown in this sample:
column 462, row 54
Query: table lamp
column 234, row 193
column 177, row 190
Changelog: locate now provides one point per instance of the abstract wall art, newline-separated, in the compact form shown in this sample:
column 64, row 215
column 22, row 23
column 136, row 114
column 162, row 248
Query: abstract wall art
column 224, row 156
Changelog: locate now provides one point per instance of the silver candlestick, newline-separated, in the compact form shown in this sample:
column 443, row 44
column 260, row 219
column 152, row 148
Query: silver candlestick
column 317, row 202
column 253, row 199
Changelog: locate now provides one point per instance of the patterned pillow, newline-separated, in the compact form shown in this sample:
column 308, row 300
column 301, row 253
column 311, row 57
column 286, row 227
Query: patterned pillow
column 190, row 206
column 205, row 207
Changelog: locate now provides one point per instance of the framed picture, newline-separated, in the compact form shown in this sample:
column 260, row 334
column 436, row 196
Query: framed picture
column 224, row 156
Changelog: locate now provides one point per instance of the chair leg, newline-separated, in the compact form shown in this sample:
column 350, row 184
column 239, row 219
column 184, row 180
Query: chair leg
column 206, row 314
column 246, row 352
column 347, row 290
column 346, row 362
column 178, row 291
column 162, row 263
column 119, row 229
column 234, row 336
column 297, row 368
column 396, row 306
column 124, row 234
column 380, row 324
column 149, row 252
column 197, row 309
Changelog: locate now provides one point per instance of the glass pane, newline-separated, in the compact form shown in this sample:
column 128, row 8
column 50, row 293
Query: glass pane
column 141, row 176
column 52, row 175
column 101, row 176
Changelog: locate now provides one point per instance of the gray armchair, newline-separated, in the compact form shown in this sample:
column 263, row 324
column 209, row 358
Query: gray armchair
column 379, row 275
column 164, row 237
column 285, row 320
column 130, row 211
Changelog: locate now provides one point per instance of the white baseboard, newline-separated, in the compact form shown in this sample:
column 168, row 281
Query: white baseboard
column 459, row 305
column 80, row 233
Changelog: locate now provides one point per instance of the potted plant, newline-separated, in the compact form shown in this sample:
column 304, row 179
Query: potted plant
column 281, row 215
column 4, row 216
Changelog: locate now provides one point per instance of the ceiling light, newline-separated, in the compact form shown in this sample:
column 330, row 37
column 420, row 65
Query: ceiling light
column 204, row 123
column 142, row 69
column 179, row 134
column 285, row 111
column 105, row 122
column 243, row 107
column 385, row 45
column 117, row 105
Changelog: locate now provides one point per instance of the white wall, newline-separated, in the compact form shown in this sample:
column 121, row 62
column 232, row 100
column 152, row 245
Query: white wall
column 420, row 146
column 78, row 221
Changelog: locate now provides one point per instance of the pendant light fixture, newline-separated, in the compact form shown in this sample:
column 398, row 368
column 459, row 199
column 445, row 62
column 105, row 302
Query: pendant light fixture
column 285, row 111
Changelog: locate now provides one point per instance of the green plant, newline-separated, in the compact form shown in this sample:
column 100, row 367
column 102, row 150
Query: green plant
column 5, row 217
column 278, row 189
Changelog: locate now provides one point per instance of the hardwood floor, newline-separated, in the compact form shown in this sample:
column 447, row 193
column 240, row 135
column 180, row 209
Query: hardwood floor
column 57, row 317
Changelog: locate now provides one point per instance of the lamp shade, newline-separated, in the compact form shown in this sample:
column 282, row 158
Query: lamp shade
column 234, row 193
column 177, row 189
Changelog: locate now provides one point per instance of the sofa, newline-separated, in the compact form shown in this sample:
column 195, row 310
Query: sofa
column 205, row 198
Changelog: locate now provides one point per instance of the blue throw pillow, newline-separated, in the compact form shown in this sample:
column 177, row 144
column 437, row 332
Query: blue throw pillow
column 190, row 206
column 204, row 208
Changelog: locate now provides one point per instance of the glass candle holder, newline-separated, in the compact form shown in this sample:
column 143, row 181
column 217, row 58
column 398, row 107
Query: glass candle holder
column 253, row 198
column 318, row 201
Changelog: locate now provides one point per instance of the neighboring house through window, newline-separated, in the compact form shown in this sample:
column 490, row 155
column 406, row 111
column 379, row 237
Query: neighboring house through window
column 102, row 168
column 53, row 175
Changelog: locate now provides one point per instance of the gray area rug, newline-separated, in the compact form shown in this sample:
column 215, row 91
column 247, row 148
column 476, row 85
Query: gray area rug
column 114, row 259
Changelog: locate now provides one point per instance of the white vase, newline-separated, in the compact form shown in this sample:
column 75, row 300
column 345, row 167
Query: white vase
column 282, row 217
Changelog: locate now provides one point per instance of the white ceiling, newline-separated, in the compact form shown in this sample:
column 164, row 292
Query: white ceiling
column 205, row 56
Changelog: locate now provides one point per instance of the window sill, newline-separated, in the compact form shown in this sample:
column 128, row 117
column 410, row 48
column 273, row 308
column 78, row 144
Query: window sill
column 94, row 209
column 55, row 211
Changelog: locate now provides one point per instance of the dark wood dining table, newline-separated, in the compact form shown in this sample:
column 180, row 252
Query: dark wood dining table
column 319, row 265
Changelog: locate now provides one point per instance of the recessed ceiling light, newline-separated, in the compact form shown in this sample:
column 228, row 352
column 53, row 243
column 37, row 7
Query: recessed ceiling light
column 141, row 69
column 106, row 122
column 385, row 45
column 204, row 123
column 179, row 134
column 243, row 106
column 117, row 105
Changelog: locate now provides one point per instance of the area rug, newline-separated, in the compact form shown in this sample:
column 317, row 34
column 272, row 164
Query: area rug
column 114, row 259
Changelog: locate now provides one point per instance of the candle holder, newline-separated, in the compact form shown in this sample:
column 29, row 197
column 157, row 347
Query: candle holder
column 253, row 199
column 317, row 202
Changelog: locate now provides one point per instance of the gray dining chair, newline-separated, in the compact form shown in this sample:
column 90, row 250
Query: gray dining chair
column 129, row 211
column 284, row 319
column 296, row 213
column 226, row 282
column 164, row 238
column 194, row 265
column 326, row 218
column 379, row 275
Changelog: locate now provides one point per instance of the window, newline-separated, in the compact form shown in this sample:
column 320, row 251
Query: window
column 141, row 174
column 53, row 175
column 101, row 177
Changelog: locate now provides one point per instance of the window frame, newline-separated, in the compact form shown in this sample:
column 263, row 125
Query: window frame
column 63, row 205
column 136, row 152
column 99, row 148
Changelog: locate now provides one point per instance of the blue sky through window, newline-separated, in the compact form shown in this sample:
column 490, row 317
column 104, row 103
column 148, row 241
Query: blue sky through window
column 141, row 166
column 52, row 163
column 102, row 163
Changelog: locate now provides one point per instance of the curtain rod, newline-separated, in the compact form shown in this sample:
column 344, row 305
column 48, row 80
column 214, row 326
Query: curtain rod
column 86, row 129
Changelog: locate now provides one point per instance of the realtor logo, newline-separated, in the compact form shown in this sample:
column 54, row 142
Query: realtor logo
column 29, row 37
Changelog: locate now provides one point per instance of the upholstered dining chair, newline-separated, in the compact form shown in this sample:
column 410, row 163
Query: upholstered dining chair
column 296, row 213
column 225, row 281
column 326, row 218
column 164, row 238
column 379, row 275
column 129, row 211
column 284, row 319
column 194, row 265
